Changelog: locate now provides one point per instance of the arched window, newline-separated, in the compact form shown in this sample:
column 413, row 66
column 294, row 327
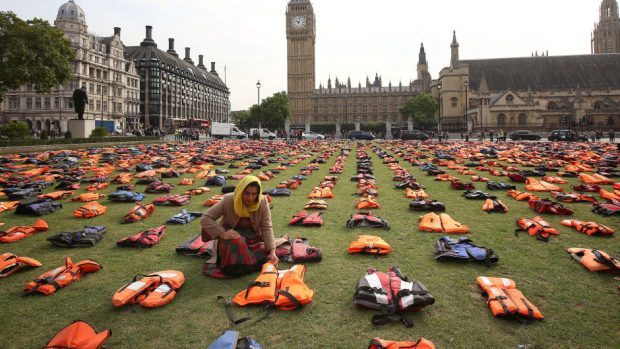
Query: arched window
column 38, row 123
column 454, row 101
column 552, row 105
column 597, row 105
column 522, row 119
column 501, row 120
column 510, row 99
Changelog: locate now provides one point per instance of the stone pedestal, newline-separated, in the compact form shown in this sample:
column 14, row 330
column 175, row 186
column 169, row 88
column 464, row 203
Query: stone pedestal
column 307, row 126
column 338, row 134
column 81, row 128
column 410, row 123
column 357, row 125
column 287, row 128
column 388, row 129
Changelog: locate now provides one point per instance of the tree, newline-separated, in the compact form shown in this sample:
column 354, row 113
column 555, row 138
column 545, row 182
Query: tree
column 32, row 52
column 273, row 112
column 423, row 108
column 15, row 130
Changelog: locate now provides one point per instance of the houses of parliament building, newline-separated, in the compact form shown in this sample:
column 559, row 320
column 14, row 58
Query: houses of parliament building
column 540, row 92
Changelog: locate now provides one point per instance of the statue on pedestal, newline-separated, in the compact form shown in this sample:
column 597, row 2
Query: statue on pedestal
column 80, row 99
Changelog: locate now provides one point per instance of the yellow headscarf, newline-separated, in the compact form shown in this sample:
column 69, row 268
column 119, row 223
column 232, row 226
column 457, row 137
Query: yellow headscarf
column 242, row 210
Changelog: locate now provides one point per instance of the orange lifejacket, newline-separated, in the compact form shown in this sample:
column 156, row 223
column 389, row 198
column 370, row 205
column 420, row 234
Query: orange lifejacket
column 151, row 291
column 79, row 335
column 213, row 200
column 88, row 197
column 505, row 299
column 123, row 178
column 415, row 194
column 186, row 181
column 60, row 277
column 138, row 213
column 369, row 244
column 594, row 260
column 534, row 184
column 521, row 195
column 98, row 186
column 285, row 288
column 21, row 232
column 589, row 228
column 197, row 191
column 536, row 227
column 608, row 195
column 442, row 223
column 445, row 178
column 321, row 193
column 553, row 179
column 316, row 204
column 594, row 179
column 57, row 195
column 377, row 343
column 8, row 205
column 10, row 263
column 90, row 210
column 479, row 179
column 494, row 205
column 367, row 202
column 149, row 173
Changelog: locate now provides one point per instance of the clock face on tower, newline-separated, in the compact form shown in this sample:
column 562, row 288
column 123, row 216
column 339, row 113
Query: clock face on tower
column 298, row 22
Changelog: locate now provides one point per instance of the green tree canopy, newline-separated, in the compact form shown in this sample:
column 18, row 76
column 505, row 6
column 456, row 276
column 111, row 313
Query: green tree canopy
column 32, row 52
column 273, row 112
column 423, row 108
column 15, row 130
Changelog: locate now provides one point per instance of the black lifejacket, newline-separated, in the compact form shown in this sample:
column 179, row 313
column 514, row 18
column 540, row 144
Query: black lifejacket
column 86, row 237
column 38, row 207
column 392, row 294
column 366, row 220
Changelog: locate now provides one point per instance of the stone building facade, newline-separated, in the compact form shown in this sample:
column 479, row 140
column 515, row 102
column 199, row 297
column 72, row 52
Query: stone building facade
column 340, row 103
column 176, row 92
column 111, row 81
column 606, row 34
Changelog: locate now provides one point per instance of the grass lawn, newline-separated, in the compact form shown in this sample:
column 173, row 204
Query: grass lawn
column 580, row 307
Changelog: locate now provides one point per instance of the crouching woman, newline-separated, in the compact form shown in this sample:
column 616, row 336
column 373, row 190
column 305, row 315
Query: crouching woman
column 241, row 226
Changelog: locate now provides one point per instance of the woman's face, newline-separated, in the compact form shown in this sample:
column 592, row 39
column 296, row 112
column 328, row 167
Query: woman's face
column 249, row 195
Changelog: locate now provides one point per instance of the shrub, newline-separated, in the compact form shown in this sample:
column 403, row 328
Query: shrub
column 15, row 130
column 68, row 135
column 99, row 132
column 44, row 134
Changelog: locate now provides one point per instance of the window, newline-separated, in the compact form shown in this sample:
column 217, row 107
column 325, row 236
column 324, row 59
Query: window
column 522, row 119
column 105, row 106
column 453, row 102
column 501, row 120
column 552, row 106
column 47, row 103
column 510, row 99
column 37, row 103
column 56, row 102
column 14, row 103
column 98, row 105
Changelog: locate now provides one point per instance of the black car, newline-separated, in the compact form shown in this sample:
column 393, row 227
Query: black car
column 566, row 135
column 361, row 135
column 413, row 135
column 524, row 135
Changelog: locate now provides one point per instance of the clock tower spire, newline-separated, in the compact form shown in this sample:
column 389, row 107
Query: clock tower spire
column 300, row 38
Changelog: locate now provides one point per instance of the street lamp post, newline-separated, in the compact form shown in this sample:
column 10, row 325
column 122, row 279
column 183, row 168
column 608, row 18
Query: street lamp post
column 439, row 116
column 466, row 104
column 480, row 102
column 258, row 85
column 102, row 81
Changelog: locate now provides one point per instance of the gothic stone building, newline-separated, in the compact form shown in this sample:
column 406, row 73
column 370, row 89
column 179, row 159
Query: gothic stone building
column 111, row 81
column 176, row 92
column 606, row 34
column 341, row 103
column 535, row 93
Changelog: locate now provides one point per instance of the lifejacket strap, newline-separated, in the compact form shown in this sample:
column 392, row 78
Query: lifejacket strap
column 290, row 297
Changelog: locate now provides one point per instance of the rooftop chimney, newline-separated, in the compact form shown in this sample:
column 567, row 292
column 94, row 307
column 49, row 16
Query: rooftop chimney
column 200, row 62
column 187, row 58
column 171, row 48
column 213, row 69
column 148, row 41
column 117, row 31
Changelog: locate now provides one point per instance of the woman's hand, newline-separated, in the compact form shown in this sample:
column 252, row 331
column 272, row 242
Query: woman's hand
column 229, row 235
column 273, row 258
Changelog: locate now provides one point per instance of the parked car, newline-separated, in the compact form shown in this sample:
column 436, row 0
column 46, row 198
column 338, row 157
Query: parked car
column 413, row 135
column 524, row 135
column 566, row 135
column 311, row 136
column 361, row 135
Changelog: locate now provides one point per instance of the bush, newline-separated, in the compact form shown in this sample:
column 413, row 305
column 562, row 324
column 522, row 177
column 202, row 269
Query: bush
column 68, row 135
column 15, row 130
column 99, row 132
column 44, row 134
column 34, row 141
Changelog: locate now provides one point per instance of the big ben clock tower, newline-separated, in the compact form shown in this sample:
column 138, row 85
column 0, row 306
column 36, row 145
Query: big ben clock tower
column 300, row 37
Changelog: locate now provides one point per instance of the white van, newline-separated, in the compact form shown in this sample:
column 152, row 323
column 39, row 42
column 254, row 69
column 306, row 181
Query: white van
column 225, row 129
column 264, row 133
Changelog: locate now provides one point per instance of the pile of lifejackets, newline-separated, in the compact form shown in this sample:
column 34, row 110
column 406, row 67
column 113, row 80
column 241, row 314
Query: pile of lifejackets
column 392, row 294
column 49, row 282
column 506, row 300
column 147, row 238
column 441, row 223
column 536, row 227
column 90, row 210
column 150, row 291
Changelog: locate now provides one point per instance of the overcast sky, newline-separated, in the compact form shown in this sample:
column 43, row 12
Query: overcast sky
column 355, row 38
